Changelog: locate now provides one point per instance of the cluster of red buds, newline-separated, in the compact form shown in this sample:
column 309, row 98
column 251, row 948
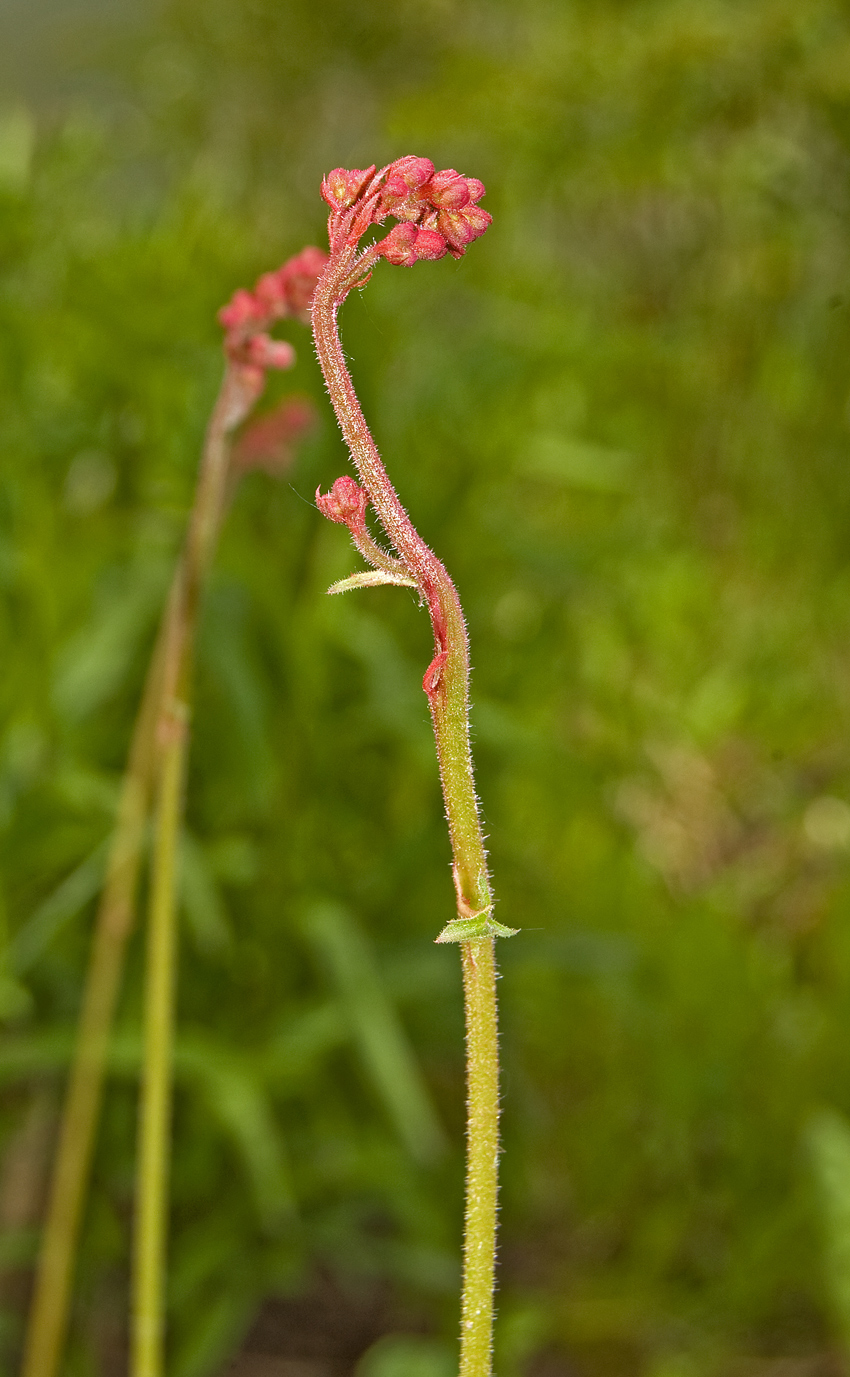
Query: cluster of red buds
column 248, row 316
column 438, row 212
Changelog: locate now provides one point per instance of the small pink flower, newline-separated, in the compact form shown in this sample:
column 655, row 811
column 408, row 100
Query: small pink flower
column 406, row 244
column 345, row 504
column 342, row 187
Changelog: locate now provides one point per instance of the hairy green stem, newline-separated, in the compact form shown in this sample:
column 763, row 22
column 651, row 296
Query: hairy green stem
column 448, row 696
column 479, row 1255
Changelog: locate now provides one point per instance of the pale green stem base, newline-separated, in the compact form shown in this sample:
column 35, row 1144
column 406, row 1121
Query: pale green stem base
column 147, row 1354
column 482, row 1166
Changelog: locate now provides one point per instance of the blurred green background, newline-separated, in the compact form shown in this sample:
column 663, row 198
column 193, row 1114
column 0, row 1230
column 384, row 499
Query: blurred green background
column 623, row 420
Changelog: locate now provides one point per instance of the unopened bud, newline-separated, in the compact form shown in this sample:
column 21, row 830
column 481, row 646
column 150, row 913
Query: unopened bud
column 400, row 196
column 460, row 227
column 447, row 190
column 345, row 503
column 242, row 309
column 412, row 172
column 398, row 247
column 342, row 186
column 266, row 352
column 430, row 245
column 270, row 291
column 299, row 277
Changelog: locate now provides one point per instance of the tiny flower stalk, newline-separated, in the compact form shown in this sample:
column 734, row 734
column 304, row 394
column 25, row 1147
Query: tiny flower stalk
column 436, row 213
column 250, row 351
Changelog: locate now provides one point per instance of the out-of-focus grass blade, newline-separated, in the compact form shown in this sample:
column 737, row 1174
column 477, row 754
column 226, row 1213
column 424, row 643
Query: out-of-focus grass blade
column 92, row 666
column 66, row 901
column 828, row 1135
column 242, row 1108
column 213, row 1336
column 201, row 899
column 231, row 1087
column 376, row 1028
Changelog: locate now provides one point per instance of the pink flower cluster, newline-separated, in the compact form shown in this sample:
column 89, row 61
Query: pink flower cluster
column 438, row 212
column 248, row 316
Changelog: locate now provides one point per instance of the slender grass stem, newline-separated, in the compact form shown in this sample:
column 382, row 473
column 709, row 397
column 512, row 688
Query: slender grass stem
column 169, row 669
column 155, row 1120
column 172, row 736
column 48, row 1318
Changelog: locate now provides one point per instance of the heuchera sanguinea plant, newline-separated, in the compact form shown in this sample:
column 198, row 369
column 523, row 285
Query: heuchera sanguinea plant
column 435, row 214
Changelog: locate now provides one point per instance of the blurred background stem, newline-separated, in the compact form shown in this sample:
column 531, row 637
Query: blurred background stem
column 157, row 752
column 172, row 735
column 155, row 1121
column 48, row 1317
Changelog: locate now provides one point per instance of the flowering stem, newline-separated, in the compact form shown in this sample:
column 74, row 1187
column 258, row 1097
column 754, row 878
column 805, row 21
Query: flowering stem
column 446, row 683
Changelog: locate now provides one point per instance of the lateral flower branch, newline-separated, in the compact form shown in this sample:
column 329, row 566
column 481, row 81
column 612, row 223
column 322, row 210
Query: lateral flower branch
column 436, row 213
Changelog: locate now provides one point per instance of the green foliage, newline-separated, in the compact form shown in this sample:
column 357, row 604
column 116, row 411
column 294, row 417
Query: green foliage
column 622, row 421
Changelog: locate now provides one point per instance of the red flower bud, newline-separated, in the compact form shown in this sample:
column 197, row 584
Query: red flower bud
column 460, row 227
column 342, row 187
column 476, row 189
column 346, row 503
column 405, row 179
column 299, row 277
column 398, row 247
column 429, row 245
column 270, row 291
column 242, row 309
column 447, row 190
column 406, row 244
column 412, row 172
column 265, row 352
